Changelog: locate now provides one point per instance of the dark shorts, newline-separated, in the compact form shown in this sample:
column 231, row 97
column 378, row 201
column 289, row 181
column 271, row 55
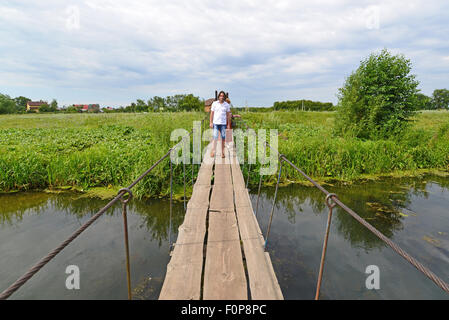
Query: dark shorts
column 222, row 129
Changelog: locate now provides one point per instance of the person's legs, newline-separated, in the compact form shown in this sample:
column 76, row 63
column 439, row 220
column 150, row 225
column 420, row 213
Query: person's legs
column 215, row 136
column 223, row 139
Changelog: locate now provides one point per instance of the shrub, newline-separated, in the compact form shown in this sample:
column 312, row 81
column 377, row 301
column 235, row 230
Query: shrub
column 377, row 99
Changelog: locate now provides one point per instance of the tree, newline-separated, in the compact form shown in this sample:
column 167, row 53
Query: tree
column 44, row 108
column 141, row 106
column 441, row 98
column 190, row 103
column 7, row 105
column 424, row 102
column 53, row 106
column 377, row 99
column 21, row 103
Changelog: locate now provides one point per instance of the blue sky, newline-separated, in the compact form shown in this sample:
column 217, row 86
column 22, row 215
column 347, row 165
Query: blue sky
column 113, row 52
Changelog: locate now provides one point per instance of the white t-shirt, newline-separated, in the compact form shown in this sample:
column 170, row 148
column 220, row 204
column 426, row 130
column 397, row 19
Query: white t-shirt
column 220, row 110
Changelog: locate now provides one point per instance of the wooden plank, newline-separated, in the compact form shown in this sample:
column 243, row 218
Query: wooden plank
column 222, row 174
column 241, row 197
column 222, row 198
column 262, row 279
column 204, row 175
column 224, row 274
column 200, row 197
column 183, row 277
column 237, row 176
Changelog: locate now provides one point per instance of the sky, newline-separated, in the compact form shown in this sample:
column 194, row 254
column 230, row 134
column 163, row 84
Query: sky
column 113, row 52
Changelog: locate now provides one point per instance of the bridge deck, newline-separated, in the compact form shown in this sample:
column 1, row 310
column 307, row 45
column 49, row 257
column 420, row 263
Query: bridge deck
column 219, row 251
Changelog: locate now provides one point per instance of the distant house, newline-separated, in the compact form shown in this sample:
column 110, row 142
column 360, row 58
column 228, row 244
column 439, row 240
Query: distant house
column 88, row 107
column 35, row 105
column 208, row 104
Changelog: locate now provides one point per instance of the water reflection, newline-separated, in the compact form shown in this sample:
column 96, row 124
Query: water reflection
column 154, row 213
column 381, row 203
column 32, row 224
column 410, row 211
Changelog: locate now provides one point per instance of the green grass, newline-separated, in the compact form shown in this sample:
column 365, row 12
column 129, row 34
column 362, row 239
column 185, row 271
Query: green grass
column 309, row 141
column 94, row 151
column 86, row 151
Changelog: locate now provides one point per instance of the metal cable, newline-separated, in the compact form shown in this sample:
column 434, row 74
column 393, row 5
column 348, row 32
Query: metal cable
column 438, row 281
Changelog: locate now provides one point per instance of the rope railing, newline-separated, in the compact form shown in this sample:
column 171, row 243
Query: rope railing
column 331, row 201
column 119, row 197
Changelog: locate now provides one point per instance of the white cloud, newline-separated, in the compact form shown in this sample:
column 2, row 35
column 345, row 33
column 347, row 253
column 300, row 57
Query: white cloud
column 274, row 49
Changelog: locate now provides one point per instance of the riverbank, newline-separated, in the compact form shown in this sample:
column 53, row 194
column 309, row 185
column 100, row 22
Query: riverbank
column 97, row 154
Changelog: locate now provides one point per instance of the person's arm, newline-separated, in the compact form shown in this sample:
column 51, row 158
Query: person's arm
column 228, row 120
column 211, row 125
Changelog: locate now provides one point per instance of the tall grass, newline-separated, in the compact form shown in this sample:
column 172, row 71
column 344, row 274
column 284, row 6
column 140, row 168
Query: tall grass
column 111, row 150
column 309, row 141
column 41, row 151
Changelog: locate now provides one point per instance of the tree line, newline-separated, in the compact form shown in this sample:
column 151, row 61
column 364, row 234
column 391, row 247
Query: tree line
column 305, row 105
column 178, row 102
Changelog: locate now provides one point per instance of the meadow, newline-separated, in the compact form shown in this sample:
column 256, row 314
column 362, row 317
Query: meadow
column 100, row 152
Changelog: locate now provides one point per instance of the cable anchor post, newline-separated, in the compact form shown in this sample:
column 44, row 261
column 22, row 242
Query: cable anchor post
column 330, row 203
column 124, row 201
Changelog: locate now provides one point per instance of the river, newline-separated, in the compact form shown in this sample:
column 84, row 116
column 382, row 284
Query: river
column 413, row 212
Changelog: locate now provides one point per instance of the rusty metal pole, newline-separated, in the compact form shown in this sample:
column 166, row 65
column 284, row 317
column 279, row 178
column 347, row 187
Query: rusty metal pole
column 249, row 169
column 326, row 237
column 274, row 202
column 258, row 193
column 125, row 227
column 184, row 170
column 171, row 204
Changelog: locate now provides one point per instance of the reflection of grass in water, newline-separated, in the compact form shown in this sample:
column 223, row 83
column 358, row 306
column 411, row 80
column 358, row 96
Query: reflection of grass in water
column 13, row 206
column 147, row 289
column 383, row 203
column 154, row 213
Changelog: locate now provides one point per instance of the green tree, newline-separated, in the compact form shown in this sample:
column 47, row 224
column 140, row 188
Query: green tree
column 440, row 98
column 53, row 106
column 44, row 108
column 190, row 103
column 21, row 103
column 424, row 102
column 141, row 106
column 377, row 99
column 7, row 105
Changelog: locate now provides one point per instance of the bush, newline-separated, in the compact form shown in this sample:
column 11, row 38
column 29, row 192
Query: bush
column 377, row 99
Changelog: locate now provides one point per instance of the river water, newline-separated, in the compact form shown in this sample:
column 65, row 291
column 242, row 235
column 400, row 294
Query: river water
column 413, row 212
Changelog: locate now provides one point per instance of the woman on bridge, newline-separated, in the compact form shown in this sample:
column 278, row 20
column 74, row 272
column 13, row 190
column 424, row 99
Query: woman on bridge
column 220, row 114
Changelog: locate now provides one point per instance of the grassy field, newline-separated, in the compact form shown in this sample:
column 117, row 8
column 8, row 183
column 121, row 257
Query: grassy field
column 108, row 151
column 309, row 141
column 88, row 150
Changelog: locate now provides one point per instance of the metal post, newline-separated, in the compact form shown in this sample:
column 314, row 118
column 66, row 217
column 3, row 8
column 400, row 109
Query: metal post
column 258, row 194
column 326, row 237
column 274, row 201
column 171, row 204
column 249, row 169
column 125, row 227
column 184, row 170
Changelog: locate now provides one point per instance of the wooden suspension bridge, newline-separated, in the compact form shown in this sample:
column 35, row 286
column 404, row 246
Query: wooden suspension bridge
column 219, row 253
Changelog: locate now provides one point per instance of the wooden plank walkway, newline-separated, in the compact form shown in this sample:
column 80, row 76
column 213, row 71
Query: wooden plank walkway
column 220, row 239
